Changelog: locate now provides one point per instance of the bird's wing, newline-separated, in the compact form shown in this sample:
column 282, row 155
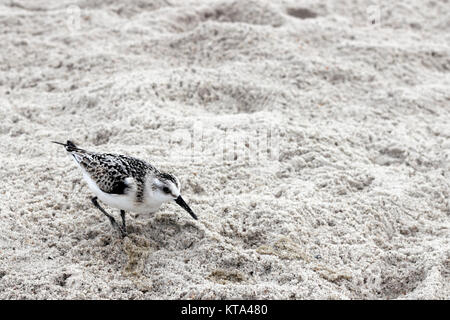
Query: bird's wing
column 112, row 173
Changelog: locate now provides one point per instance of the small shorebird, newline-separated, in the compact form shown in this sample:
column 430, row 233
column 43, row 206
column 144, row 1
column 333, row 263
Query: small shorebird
column 126, row 183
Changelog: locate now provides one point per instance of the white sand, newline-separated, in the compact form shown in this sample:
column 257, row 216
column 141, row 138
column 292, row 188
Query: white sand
column 351, row 203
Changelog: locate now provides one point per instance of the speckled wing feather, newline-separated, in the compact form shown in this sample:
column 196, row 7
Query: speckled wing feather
column 110, row 171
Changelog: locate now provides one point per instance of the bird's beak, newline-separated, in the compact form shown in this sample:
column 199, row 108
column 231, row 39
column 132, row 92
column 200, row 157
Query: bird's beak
column 184, row 205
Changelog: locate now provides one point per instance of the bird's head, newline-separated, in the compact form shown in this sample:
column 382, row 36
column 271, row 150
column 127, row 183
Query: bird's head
column 167, row 188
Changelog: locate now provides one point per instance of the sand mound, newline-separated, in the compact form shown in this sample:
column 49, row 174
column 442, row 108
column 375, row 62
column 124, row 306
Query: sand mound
column 312, row 139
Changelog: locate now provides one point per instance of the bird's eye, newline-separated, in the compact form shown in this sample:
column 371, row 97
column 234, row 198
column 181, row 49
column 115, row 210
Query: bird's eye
column 166, row 190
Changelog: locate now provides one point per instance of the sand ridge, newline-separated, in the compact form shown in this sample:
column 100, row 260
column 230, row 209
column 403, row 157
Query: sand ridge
column 312, row 139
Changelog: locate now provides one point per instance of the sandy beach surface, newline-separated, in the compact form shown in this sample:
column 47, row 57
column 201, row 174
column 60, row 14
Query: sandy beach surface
column 311, row 138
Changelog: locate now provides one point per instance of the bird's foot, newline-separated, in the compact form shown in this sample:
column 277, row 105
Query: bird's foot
column 115, row 225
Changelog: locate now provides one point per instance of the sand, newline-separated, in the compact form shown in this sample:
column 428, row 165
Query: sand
column 312, row 139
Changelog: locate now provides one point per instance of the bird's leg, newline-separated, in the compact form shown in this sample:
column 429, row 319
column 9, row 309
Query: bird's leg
column 122, row 214
column 110, row 217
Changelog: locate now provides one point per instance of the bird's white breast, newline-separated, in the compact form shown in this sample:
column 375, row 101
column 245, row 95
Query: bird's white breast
column 125, row 201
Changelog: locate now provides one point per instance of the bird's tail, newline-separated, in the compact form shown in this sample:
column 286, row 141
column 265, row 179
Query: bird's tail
column 70, row 146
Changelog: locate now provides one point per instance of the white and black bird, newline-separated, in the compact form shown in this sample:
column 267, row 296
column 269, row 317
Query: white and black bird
column 126, row 183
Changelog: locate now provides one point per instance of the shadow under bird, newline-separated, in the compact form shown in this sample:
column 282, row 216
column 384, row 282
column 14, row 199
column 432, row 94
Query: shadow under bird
column 126, row 183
